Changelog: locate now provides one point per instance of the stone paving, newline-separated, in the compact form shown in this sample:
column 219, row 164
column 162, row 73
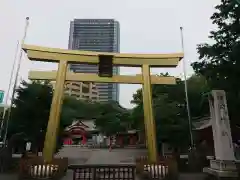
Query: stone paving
column 78, row 155
column 8, row 177
column 118, row 156
column 69, row 176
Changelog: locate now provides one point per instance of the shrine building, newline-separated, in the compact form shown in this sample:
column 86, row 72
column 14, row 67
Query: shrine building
column 83, row 131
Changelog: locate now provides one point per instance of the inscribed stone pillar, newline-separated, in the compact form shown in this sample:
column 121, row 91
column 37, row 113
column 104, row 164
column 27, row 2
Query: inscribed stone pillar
column 221, row 127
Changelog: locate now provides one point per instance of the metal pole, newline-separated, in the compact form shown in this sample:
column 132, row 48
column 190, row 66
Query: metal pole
column 16, row 77
column 186, row 90
column 9, row 86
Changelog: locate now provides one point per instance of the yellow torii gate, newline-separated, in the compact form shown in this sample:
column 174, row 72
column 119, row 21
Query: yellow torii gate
column 64, row 57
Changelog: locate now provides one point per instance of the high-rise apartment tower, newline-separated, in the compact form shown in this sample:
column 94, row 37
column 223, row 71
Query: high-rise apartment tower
column 102, row 35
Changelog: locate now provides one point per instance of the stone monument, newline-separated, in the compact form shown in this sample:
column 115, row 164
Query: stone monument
column 224, row 165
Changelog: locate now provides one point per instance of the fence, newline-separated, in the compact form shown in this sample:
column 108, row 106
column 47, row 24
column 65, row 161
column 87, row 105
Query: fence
column 106, row 172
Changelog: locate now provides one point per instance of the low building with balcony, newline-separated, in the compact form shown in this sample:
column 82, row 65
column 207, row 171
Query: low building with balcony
column 81, row 90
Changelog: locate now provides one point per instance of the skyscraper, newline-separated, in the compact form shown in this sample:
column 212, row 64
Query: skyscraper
column 102, row 35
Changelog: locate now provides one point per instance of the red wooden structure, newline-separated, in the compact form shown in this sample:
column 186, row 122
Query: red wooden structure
column 77, row 130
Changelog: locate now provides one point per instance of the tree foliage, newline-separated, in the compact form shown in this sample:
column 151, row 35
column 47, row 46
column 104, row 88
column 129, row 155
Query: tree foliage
column 219, row 60
column 32, row 105
column 112, row 118
column 31, row 110
column 170, row 110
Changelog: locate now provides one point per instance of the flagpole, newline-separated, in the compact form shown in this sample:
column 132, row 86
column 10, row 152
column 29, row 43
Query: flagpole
column 186, row 90
column 9, row 86
column 16, row 77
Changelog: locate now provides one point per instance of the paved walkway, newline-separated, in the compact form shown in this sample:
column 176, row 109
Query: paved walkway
column 69, row 176
column 8, row 177
column 196, row 176
column 115, row 156
column 78, row 155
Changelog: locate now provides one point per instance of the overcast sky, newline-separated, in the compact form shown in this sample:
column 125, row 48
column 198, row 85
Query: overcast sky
column 146, row 26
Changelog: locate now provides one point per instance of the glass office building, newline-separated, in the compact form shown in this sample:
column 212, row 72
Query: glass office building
column 102, row 35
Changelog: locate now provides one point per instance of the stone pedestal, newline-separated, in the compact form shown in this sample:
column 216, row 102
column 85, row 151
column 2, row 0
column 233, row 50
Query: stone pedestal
column 224, row 165
column 222, row 169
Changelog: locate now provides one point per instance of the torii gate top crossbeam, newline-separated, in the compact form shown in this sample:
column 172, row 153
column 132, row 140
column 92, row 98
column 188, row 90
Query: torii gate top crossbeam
column 38, row 53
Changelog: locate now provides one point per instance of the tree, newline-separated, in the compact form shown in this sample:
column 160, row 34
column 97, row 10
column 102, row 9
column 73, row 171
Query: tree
column 73, row 108
column 198, row 90
column 31, row 110
column 170, row 109
column 137, row 116
column 112, row 118
column 219, row 61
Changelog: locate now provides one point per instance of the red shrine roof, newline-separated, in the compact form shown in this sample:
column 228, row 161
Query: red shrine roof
column 78, row 125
